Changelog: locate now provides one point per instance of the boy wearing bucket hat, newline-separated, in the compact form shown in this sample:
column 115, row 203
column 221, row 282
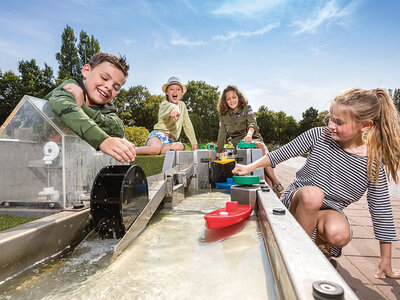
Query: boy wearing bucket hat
column 172, row 117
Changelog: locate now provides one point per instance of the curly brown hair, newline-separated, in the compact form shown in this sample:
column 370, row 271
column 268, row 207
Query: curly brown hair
column 118, row 62
column 222, row 105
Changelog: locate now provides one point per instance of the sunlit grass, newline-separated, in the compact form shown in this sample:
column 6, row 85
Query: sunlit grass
column 7, row 222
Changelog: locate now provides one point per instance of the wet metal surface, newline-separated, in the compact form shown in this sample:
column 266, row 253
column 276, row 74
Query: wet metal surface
column 174, row 257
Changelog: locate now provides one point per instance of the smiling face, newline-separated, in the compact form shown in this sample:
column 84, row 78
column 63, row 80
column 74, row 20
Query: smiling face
column 232, row 100
column 102, row 82
column 344, row 129
column 174, row 93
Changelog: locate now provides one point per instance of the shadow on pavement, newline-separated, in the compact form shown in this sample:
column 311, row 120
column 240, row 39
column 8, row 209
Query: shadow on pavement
column 362, row 290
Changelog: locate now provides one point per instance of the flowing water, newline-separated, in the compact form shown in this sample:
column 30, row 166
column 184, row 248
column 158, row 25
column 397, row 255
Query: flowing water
column 175, row 257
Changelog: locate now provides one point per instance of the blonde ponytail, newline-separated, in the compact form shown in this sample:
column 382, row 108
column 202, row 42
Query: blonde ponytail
column 384, row 138
column 384, row 135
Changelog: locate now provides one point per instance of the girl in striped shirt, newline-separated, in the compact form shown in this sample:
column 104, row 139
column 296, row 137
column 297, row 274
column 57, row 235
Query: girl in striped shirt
column 347, row 158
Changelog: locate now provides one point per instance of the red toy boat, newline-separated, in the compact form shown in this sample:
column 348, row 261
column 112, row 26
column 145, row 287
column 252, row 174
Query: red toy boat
column 231, row 214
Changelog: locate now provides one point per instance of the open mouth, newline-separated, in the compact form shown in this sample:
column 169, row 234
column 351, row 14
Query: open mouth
column 105, row 96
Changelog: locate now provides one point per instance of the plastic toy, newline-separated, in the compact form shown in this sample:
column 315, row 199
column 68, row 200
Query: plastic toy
column 231, row 214
column 243, row 145
column 246, row 180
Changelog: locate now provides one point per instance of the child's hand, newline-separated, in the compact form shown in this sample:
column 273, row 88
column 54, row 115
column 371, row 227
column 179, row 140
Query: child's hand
column 385, row 268
column 248, row 138
column 194, row 147
column 241, row 169
column 120, row 149
column 76, row 91
column 175, row 114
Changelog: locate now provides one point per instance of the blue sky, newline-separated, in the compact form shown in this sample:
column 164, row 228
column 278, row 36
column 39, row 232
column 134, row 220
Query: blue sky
column 285, row 54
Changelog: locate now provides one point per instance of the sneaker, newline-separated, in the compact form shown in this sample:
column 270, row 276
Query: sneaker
column 278, row 189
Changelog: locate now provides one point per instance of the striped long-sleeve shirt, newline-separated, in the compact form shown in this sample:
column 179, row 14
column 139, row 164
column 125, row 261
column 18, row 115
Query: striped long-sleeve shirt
column 342, row 176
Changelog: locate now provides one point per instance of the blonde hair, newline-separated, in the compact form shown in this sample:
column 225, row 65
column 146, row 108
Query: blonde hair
column 384, row 136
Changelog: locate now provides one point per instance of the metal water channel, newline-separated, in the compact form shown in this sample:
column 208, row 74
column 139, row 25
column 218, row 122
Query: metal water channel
column 175, row 257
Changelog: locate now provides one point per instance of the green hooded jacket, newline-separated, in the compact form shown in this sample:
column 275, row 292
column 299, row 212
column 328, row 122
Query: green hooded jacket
column 93, row 123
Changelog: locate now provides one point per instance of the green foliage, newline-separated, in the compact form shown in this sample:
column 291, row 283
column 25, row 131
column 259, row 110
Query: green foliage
column 32, row 81
column 35, row 81
column 276, row 127
column 7, row 222
column 87, row 47
column 151, row 164
column 10, row 94
column 67, row 58
column 310, row 120
column 201, row 100
column 136, row 106
column 136, row 135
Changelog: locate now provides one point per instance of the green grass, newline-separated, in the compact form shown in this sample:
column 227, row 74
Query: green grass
column 151, row 164
column 7, row 222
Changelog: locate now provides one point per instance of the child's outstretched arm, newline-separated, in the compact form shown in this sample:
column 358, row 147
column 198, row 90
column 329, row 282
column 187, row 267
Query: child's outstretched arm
column 246, row 169
column 120, row 149
column 175, row 114
column 385, row 264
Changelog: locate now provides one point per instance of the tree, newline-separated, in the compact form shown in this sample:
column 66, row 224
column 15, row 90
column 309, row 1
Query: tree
column 201, row 100
column 10, row 94
column 68, row 56
column 286, row 128
column 395, row 94
column 136, row 106
column 87, row 47
column 266, row 123
column 35, row 81
column 309, row 120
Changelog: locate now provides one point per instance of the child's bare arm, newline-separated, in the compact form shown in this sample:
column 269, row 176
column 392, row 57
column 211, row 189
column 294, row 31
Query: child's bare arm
column 246, row 169
column 120, row 149
column 385, row 264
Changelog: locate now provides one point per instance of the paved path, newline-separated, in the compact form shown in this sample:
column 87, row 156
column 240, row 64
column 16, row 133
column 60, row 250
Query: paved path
column 359, row 261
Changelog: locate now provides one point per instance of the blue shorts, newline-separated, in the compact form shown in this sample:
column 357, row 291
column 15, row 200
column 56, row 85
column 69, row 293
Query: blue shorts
column 165, row 138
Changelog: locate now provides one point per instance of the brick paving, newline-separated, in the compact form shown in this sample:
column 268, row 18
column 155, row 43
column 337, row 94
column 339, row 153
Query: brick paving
column 359, row 261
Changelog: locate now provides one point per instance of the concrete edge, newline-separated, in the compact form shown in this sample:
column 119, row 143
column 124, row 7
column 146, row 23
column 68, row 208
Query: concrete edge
column 297, row 260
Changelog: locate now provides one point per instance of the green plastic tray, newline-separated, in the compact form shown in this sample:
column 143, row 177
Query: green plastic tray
column 244, row 145
column 246, row 180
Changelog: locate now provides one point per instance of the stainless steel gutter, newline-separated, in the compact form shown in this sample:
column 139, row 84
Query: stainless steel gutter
column 27, row 244
column 296, row 260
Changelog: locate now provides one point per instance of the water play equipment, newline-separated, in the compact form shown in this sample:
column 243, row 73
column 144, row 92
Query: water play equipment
column 170, row 250
column 118, row 196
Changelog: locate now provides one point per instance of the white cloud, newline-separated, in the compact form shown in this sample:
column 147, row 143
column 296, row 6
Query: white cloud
column 13, row 50
column 291, row 96
column 234, row 34
column 129, row 42
column 182, row 41
column 245, row 8
column 331, row 13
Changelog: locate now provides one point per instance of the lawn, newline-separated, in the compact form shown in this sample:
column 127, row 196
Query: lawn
column 7, row 222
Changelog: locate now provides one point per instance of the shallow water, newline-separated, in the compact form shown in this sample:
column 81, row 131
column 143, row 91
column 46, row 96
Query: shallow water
column 175, row 257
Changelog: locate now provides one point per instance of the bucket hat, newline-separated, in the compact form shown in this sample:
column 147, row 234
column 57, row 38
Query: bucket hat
column 174, row 80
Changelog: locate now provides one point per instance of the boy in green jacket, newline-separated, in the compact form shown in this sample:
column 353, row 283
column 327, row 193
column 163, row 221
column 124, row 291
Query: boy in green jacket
column 84, row 105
